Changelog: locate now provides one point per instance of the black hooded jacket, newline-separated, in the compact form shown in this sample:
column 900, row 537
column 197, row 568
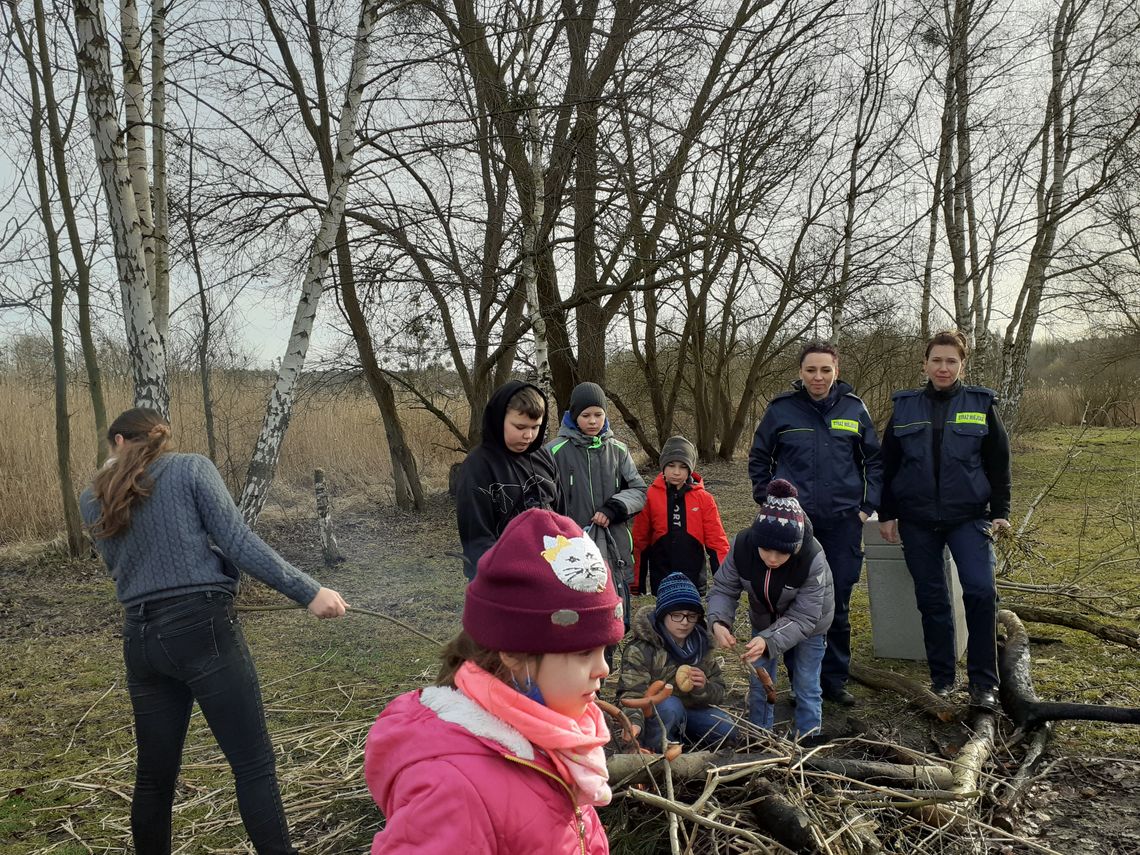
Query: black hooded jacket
column 496, row 484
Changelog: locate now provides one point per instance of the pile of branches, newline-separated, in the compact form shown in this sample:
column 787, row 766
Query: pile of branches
column 859, row 796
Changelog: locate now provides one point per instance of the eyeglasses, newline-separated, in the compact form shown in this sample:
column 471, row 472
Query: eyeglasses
column 684, row 617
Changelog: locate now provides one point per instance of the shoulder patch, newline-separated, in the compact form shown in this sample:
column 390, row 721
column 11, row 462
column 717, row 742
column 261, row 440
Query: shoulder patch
column 905, row 393
column 554, row 448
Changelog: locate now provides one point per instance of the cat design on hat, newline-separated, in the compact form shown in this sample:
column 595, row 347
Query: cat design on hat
column 576, row 562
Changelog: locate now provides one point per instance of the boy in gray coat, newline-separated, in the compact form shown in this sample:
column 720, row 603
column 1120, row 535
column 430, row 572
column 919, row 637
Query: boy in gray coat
column 790, row 602
column 601, row 488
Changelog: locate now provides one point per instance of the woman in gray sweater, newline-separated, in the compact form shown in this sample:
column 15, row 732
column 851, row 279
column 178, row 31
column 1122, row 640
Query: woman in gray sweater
column 173, row 540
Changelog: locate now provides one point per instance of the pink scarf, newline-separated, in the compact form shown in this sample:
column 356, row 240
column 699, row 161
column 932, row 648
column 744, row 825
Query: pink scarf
column 574, row 746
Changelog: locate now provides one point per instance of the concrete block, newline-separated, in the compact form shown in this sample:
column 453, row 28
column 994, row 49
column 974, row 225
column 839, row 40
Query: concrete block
column 896, row 625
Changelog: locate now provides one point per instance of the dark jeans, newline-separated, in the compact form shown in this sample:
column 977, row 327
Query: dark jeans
column 974, row 556
column 842, row 542
column 700, row 727
column 185, row 649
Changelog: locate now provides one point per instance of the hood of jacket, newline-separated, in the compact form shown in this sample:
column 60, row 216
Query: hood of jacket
column 568, row 429
column 495, row 413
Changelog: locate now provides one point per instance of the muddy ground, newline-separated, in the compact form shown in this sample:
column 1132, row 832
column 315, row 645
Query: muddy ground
column 59, row 623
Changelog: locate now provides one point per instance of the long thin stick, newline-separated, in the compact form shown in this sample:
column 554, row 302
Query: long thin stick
column 353, row 609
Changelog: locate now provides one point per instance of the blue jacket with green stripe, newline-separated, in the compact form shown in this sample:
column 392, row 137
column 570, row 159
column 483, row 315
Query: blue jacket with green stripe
column 596, row 473
column 828, row 449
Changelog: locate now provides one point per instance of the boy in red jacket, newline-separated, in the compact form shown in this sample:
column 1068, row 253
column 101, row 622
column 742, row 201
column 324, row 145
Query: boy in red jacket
column 679, row 525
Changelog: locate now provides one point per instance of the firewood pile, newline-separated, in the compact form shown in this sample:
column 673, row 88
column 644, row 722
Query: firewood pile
column 859, row 795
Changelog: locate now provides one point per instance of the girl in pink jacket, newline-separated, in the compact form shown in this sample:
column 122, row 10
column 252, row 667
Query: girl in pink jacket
column 504, row 753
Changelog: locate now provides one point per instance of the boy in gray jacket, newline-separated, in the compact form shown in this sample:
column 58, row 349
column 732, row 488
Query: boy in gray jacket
column 601, row 488
column 790, row 603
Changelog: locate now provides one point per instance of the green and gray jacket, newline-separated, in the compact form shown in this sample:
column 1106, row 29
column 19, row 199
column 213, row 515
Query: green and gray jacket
column 596, row 473
column 646, row 658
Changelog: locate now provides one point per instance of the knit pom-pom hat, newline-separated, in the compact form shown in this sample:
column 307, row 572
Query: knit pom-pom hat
column 676, row 592
column 780, row 524
column 543, row 588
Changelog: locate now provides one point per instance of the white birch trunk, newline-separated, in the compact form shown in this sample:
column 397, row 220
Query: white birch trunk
column 263, row 464
column 158, row 160
column 134, row 109
column 532, row 223
column 144, row 344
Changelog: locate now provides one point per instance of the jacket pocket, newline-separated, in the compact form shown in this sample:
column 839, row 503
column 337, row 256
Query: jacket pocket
column 914, row 439
column 965, row 442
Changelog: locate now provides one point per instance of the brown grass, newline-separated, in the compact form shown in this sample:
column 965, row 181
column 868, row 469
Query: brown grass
column 340, row 432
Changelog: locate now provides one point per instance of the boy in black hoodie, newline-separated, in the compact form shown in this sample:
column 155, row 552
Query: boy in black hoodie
column 507, row 473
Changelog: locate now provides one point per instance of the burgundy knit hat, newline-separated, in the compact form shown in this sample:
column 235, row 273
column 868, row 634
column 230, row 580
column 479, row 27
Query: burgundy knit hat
column 543, row 588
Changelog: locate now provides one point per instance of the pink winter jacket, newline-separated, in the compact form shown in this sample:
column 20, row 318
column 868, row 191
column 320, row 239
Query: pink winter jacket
column 452, row 778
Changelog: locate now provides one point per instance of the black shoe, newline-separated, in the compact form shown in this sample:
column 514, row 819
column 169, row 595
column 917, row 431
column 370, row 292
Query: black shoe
column 943, row 691
column 983, row 699
column 843, row 697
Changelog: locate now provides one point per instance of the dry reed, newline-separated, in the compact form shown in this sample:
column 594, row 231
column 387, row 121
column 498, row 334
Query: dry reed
column 340, row 432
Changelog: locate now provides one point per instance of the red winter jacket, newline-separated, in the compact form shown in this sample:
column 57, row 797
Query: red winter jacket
column 452, row 779
column 660, row 549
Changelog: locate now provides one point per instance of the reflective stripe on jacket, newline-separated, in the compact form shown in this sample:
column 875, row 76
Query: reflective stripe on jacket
column 831, row 455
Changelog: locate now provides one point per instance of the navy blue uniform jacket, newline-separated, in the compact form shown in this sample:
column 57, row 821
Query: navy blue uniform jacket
column 829, row 450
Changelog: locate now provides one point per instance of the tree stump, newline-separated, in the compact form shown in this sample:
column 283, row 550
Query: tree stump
column 329, row 549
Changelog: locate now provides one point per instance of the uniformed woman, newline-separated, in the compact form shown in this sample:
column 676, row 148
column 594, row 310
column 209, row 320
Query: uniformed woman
column 946, row 483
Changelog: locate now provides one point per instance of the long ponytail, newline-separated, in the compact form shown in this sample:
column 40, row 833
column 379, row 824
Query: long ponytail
column 121, row 484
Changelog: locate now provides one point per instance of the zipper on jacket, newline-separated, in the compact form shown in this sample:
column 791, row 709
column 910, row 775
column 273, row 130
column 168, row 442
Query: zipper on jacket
column 579, row 819
column 767, row 598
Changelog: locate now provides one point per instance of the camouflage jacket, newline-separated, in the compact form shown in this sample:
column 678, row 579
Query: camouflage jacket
column 646, row 658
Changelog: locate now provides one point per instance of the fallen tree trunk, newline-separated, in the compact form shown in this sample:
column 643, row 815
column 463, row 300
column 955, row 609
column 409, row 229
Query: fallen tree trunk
column 1117, row 634
column 919, row 696
column 639, row 768
column 1018, row 697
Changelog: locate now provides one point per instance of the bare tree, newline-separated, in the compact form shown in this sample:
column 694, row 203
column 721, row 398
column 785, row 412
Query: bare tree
column 263, row 463
column 82, row 267
column 76, row 541
column 1080, row 145
column 144, row 343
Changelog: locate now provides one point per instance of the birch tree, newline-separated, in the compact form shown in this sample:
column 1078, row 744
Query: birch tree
column 267, row 451
column 144, row 343
column 315, row 112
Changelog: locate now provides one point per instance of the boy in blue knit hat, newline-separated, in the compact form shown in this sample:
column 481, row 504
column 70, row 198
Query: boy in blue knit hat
column 665, row 639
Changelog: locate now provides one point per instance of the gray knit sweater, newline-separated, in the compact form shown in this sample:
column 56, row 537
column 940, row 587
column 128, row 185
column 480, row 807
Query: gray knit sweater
column 166, row 551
